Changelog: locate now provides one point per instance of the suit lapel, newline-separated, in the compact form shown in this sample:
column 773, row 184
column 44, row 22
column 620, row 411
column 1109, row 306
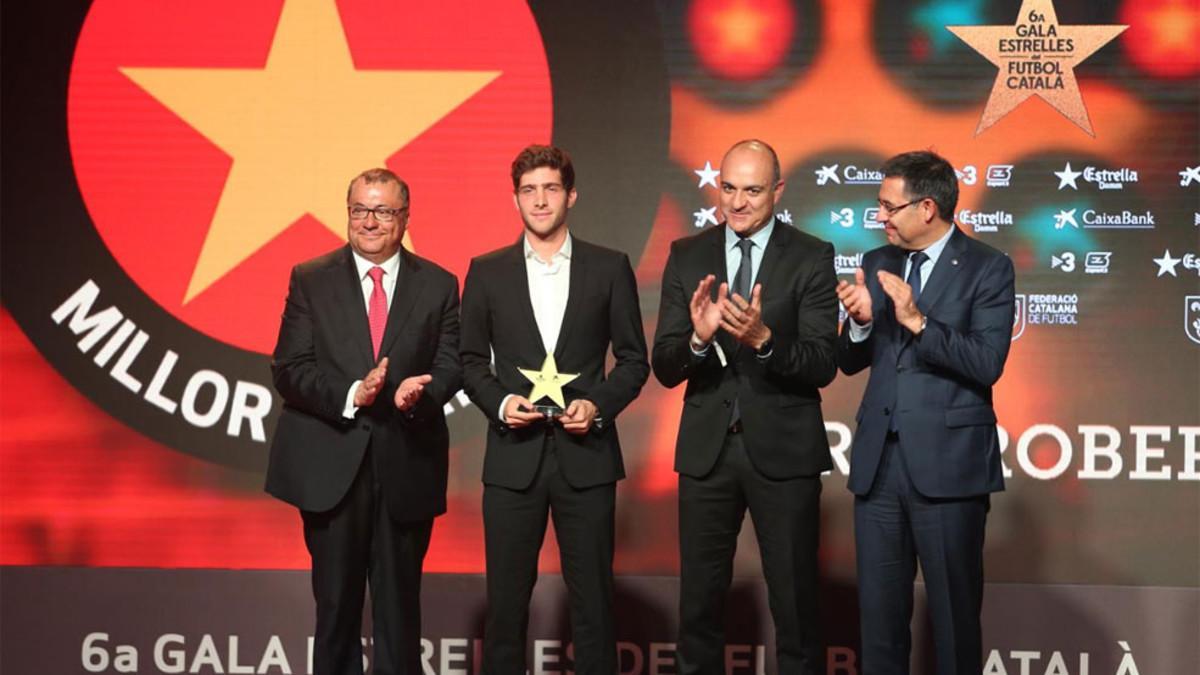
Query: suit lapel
column 944, row 272
column 574, row 296
column 348, row 300
column 776, row 247
column 720, row 268
column 524, row 308
column 893, row 262
column 409, row 282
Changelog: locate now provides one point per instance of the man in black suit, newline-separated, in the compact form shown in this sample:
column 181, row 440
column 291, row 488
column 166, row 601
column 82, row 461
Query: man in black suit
column 926, row 454
column 550, row 295
column 367, row 355
column 751, row 434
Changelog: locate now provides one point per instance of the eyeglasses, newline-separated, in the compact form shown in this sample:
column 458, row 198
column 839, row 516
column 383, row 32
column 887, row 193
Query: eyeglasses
column 383, row 214
column 893, row 210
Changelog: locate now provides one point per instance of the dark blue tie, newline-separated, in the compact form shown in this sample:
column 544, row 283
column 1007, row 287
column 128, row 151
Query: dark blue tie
column 916, row 259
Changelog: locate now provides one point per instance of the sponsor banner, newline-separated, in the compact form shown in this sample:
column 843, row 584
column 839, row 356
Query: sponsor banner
column 1102, row 179
column 835, row 174
column 1173, row 266
column 1092, row 262
column 78, row 620
column 1092, row 219
column 985, row 221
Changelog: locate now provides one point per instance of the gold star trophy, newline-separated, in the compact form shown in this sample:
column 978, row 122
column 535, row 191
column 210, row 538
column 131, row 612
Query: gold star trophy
column 548, row 384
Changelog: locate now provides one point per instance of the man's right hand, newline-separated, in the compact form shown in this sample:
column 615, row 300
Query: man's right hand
column 371, row 385
column 856, row 298
column 706, row 314
column 519, row 412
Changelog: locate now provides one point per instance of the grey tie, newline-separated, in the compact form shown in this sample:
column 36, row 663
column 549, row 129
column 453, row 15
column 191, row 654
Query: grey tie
column 916, row 259
column 741, row 280
column 741, row 286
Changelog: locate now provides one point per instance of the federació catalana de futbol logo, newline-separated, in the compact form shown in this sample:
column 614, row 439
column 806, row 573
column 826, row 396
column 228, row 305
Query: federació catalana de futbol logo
column 178, row 158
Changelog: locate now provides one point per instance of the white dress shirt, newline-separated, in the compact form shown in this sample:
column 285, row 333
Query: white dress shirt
column 858, row 333
column 549, row 286
column 391, row 269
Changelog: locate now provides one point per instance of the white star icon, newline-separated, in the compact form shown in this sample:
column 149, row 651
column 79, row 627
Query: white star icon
column 1189, row 175
column 705, row 216
column 826, row 174
column 1067, row 177
column 708, row 175
column 1065, row 218
column 1166, row 264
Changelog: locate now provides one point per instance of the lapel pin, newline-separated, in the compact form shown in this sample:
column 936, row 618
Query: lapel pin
column 954, row 261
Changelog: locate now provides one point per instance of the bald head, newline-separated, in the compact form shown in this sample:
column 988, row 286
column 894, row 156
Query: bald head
column 750, row 186
column 753, row 145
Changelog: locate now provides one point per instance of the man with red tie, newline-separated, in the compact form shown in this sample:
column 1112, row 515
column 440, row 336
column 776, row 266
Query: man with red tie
column 367, row 356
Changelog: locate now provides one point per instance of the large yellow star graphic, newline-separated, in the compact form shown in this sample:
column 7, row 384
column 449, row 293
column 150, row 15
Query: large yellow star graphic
column 548, row 382
column 298, row 129
column 1036, row 56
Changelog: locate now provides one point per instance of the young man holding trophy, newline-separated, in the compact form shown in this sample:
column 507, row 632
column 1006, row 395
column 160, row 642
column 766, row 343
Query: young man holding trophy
column 548, row 308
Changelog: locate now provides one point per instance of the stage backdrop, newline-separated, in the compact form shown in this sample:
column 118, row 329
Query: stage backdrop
column 166, row 162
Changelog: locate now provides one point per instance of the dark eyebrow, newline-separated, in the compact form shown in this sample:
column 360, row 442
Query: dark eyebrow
column 727, row 184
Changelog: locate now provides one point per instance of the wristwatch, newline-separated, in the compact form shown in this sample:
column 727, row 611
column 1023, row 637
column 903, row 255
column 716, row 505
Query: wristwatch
column 766, row 348
column 924, row 322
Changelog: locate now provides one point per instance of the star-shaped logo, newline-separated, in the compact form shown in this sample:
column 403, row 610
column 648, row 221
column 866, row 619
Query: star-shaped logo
column 1166, row 264
column 708, row 175
column 826, row 174
column 548, row 382
column 1189, row 175
column 1065, row 218
column 1068, row 177
column 1037, row 57
column 300, row 122
column 705, row 216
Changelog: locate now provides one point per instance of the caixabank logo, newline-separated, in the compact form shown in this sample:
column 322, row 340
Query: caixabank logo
column 166, row 164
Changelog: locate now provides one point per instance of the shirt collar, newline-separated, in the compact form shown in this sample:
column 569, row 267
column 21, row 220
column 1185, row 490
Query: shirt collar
column 934, row 250
column 759, row 238
column 391, row 266
column 563, row 253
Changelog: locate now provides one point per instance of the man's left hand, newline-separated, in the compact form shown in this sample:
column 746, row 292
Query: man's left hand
column 907, row 314
column 410, row 390
column 578, row 417
column 743, row 320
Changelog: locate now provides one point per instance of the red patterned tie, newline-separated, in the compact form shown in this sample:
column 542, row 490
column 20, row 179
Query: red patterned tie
column 377, row 310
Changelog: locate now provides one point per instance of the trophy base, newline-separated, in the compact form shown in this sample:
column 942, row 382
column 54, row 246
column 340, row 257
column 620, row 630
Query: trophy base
column 550, row 411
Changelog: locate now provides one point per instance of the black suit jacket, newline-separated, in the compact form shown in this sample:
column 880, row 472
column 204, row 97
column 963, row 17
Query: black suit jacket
column 324, row 346
column 778, row 397
column 602, row 309
column 944, row 377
